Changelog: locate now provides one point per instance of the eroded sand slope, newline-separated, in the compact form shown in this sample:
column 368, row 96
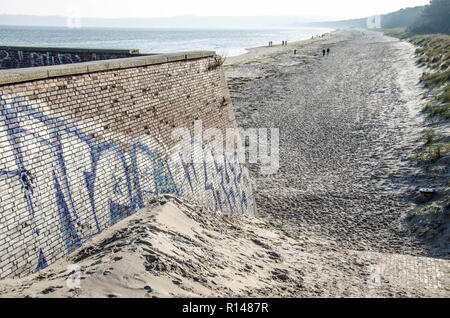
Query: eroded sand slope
column 175, row 249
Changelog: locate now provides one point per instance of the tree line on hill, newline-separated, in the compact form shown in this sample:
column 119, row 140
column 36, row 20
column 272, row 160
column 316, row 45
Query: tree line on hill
column 431, row 18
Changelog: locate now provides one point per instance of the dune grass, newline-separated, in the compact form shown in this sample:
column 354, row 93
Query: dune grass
column 434, row 52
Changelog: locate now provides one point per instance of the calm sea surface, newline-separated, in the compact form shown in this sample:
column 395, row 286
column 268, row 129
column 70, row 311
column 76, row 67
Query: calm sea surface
column 225, row 42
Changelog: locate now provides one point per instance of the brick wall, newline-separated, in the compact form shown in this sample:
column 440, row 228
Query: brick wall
column 84, row 147
column 22, row 57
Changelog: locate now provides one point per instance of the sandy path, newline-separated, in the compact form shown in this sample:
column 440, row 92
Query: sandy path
column 348, row 125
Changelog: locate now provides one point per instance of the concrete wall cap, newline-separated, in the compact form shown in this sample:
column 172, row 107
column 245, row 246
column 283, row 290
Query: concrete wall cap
column 61, row 70
column 18, row 75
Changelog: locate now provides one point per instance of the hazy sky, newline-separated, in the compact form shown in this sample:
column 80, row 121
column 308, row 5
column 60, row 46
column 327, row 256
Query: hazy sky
column 161, row 8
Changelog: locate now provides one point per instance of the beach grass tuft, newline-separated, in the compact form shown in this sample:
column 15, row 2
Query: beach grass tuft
column 218, row 62
column 430, row 135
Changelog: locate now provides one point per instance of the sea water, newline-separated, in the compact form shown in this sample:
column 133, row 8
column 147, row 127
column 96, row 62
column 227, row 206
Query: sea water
column 226, row 42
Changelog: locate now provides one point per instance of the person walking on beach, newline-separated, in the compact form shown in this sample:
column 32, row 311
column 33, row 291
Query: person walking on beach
column 323, row 51
column 328, row 51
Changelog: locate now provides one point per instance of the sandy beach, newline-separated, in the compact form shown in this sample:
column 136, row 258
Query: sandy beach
column 330, row 223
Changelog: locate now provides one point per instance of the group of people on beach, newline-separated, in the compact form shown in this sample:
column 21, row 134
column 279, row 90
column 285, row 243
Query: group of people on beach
column 283, row 43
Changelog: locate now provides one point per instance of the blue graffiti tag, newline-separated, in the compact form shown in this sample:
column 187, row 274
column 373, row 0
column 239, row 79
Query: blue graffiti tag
column 113, row 189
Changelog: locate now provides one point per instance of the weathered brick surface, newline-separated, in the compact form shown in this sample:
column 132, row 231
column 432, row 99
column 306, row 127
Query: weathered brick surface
column 81, row 152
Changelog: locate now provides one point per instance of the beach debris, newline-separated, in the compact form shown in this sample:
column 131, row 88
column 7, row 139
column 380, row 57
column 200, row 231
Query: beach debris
column 425, row 195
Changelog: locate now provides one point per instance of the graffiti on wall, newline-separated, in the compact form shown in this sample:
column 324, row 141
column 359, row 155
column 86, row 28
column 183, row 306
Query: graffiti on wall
column 59, row 187
column 20, row 59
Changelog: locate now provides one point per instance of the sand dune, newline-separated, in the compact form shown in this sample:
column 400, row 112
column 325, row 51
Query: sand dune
column 175, row 249
column 171, row 249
